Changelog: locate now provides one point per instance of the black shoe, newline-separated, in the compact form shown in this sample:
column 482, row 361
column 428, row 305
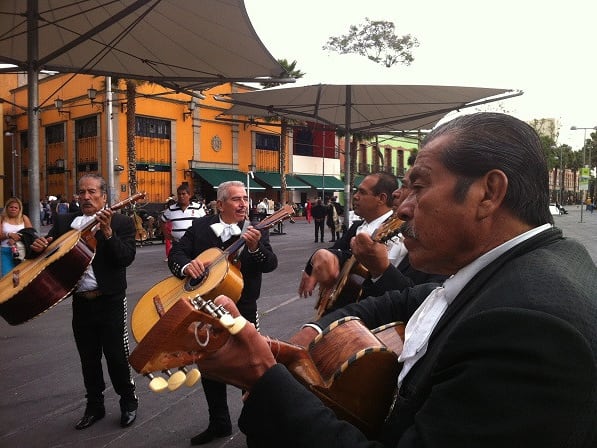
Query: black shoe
column 316, row 241
column 210, row 434
column 127, row 418
column 89, row 418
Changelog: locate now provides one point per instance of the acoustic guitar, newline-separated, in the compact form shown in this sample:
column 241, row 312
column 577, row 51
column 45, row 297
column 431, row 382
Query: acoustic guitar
column 348, row 367
column 36, row 285
column 348, row 286
column 221, row 277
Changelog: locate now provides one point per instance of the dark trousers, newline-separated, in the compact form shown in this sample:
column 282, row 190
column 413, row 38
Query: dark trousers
column 319, row 228
column 215, row 392
column 99, row 326
column 335, row 235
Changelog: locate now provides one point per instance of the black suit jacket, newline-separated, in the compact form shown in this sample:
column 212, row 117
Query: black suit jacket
column 512, row 362
column 112, row 256
column 199, row 237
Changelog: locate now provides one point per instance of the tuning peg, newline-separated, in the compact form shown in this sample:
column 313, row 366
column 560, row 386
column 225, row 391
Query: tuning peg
column 157, row 383
column 192, row 376
column 176, row 380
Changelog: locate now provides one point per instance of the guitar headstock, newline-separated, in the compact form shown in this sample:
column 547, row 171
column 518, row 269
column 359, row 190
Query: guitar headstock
column 184, row 334
column 285, row 212
column 388, row 229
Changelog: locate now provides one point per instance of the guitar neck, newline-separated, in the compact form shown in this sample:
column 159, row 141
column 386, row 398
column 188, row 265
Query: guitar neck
column 282, row 214
column 117, row 206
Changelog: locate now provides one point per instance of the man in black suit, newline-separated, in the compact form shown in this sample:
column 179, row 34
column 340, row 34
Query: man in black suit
column 388, row 270
column 504, row 353
column 99, row 301
column 255, row 258
column 373, row 202
column 318, row 212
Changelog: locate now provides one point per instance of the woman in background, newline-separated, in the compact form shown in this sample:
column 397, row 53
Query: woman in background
column 13, row 220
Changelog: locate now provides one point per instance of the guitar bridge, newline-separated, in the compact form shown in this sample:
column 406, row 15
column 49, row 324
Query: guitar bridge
column 159, row 306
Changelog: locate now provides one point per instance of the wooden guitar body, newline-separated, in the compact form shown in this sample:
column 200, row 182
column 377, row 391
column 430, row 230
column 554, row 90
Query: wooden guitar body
column 223, row 277
column 347, row 366
column 36, row 285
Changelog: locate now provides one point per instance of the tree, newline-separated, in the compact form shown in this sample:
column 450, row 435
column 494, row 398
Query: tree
column 376, row 40
column 293, row 72
column 131, row 152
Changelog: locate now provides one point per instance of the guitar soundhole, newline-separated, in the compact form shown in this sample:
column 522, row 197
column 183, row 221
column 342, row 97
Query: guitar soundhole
column 193, row 283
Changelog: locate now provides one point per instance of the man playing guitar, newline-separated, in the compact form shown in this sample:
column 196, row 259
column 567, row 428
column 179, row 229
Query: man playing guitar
column 99, row 300
column 257, row 257
column 373, row 203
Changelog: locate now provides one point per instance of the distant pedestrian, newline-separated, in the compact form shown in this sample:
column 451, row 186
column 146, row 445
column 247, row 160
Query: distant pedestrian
column 333, row 218
column 12, row 220
column 308, row 210
column 74, row 207
column 319, row 213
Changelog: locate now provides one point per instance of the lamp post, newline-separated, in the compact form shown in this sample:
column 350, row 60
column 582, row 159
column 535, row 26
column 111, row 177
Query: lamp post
column 584, row 145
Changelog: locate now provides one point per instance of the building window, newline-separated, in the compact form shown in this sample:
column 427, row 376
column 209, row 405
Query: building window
column 303, row 141
column 55, row 134
column 269, row 142
column 86, row 127
column 152, row 127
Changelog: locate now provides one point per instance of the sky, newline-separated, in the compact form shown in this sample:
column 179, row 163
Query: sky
column 544, row 48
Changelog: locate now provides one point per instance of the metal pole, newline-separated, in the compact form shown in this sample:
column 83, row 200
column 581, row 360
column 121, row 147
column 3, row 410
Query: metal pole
column 561, row 176
column 114, row 192
column 33, row 112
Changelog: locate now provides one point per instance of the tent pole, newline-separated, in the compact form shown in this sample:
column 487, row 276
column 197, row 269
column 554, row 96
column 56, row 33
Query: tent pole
column 347, row 173
column 33, row 112
column 112, row 192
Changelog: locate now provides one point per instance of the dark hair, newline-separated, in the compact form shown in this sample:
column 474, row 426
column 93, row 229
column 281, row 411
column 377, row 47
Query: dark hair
column 100, row 179
column 485, row 141
column 386, row 183
column 183, row 187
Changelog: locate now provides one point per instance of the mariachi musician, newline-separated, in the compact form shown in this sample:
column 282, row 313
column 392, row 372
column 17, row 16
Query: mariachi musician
column 99, row 300
column 373, row 202
column 257, row 257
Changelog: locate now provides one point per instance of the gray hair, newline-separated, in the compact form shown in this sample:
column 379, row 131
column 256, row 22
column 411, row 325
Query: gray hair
column 224, row 187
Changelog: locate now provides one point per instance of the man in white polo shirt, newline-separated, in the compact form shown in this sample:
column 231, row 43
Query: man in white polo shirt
column 180, row 214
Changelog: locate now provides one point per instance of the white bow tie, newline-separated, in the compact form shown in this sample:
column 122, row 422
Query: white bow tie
column 225, row 231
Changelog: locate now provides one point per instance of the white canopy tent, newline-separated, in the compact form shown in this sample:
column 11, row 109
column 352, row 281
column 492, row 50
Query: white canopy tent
column 360, row 108
column 180, row 44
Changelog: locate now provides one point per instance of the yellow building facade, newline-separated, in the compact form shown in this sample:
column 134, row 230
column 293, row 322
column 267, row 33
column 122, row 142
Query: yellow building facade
column 177, row 139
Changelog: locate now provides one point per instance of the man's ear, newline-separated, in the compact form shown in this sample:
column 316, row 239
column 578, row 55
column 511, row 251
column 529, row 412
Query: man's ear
column 495, row 184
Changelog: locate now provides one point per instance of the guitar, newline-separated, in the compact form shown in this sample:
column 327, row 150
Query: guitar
column 36, row 285
column 348, row 367
column 347, row 288
column 221, row 277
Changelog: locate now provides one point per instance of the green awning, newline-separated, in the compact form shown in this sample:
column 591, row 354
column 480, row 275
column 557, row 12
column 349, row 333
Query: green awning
column 274, row 181
column 321, row 182
column 216, row 177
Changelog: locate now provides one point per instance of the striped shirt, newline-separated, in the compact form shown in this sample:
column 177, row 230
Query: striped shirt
column 182, row 220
